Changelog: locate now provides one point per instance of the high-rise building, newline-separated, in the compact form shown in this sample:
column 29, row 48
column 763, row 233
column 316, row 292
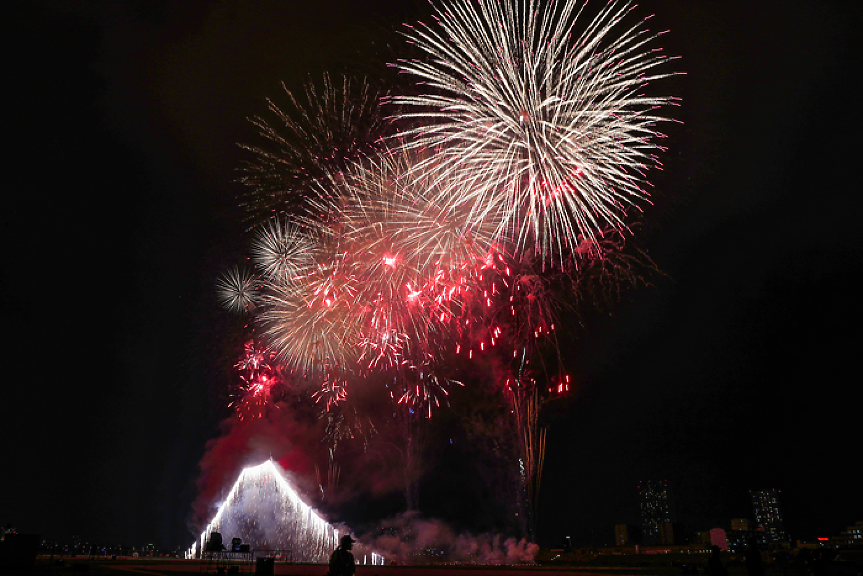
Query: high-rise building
column 851, row 536
column 655, row 503
column 621, row 534
column 768, row 516
column 741, row 524
column 627, row 535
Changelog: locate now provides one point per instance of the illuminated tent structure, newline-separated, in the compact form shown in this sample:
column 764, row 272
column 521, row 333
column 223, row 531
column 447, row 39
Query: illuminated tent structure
column 267, row 513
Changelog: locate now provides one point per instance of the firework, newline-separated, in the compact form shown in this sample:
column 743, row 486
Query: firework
column 236, row 290
column 321, row 133
column 258, row 376
column 307, row 331
column 282, row 250
column 513, row 304
column 424, row 387
column 391, row 205
column 546, row 131
column 402, row 244
column 333, row 390
column 310, row 322
column 526, row 404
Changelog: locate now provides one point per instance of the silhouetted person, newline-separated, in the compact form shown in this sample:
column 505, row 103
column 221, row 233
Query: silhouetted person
column 754, row 565
column 342, row 561
column 214, row 544
column 714, row 563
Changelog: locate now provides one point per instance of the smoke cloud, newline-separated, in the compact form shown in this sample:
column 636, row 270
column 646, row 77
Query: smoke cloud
column 287, row 436
column 363, row 447
column 411, row 539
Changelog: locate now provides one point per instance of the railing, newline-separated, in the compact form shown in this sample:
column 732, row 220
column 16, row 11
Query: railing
column 246, row 562
column 277, row 555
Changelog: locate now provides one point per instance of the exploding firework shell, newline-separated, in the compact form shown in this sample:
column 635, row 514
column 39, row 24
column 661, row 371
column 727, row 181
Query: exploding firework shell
column 544, row 131
column 282, row 250
column 392, row 204
column 310, row 322
column 236, row 290
column 323, row 132
column 403, row 243
column 258, row 377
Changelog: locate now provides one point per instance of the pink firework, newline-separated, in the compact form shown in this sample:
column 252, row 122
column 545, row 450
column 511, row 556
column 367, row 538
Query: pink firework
column 398, row 241
column 333, row 390
column 258, row 376
column 424, row 387
column 310, row 322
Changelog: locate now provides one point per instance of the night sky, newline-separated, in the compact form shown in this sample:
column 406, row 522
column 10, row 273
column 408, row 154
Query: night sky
column 736, row 370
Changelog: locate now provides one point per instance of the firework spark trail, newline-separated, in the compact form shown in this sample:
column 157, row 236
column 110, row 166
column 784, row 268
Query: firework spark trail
column 282, row 250
column 547, row 132
column 310, row 322
column 510, row 302
column 258, row 376
column 515, row 301
column 526, row 404
column 333, row 390
column 320, row 133
column 397, row 241
column 425, row 388
column 236, row 290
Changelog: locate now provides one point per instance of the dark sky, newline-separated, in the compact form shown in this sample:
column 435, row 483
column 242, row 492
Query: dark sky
column 737, row 370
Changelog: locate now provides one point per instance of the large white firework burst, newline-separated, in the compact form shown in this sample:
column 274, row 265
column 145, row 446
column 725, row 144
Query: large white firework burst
column 546, row 131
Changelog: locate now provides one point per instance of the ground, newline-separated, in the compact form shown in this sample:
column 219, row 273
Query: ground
column 159, row 566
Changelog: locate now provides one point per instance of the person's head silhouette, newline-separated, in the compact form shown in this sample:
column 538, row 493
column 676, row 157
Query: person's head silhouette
column 347, row 542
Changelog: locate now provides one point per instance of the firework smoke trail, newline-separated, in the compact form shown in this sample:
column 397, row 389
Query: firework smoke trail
column 547, row 131
column 323, row 132
column 403, row 535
